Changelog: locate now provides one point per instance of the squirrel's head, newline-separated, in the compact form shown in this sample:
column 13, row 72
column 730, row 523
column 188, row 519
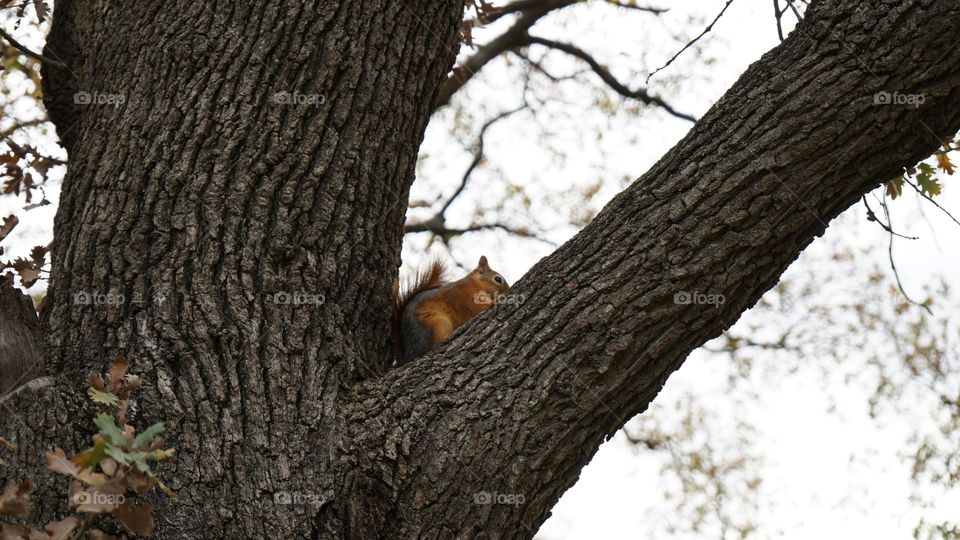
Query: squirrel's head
column 488, row 280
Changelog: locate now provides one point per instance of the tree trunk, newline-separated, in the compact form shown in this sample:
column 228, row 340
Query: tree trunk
column 191, row 206
column 21, row 345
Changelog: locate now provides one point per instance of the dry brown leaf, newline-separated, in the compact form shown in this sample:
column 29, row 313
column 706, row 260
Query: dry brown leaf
column 137, row 519
column 57, row 462
column 116, row 371
column 8, row 224
column 62, row 528
column 15, row 499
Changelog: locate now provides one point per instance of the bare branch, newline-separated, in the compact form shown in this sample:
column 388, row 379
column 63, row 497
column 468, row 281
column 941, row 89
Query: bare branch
column 873, row 217
column 735, row 344
column 445, row 232
column 22, row 150
column 477, row 156
column 538, row 66
column 36, row 56
column 604, row 74
column 794, row 9
column 893, row 265
column 526, row 5
column 517, row 7
column 655, row 11
column 25, row 124
column 778, row 14
column 690, row 44
column 531, row 12
column 927, row 197
column 437, row 223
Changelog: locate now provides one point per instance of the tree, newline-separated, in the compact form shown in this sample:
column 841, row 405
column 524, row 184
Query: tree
column 207, row 200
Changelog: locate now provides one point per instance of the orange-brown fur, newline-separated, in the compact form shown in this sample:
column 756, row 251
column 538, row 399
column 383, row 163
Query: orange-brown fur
column 445, row 306
column 431, row 277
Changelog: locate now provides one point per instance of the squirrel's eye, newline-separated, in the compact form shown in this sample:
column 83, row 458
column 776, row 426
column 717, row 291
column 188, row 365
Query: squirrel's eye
column 499, row 280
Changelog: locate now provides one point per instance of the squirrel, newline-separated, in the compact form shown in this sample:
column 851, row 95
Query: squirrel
column 430, row 309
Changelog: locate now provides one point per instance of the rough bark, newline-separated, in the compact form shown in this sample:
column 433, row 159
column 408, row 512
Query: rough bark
column 21, row 344
column 201, row 192
column 197, row 199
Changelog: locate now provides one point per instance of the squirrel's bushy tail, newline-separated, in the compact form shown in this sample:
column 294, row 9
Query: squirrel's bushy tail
column 430, row 277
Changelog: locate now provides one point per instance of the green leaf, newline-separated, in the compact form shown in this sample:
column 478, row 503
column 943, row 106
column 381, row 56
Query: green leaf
column 105, row 398
column 145, row 438
column 92, row 456
column 928, row 185
column 119, row 455
column 109, row 430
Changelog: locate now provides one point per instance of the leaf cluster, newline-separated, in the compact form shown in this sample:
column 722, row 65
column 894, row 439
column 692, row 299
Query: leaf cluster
column 104, row 478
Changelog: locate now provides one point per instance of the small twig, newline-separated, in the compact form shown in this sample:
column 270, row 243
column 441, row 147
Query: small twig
column 655, row 11
column 780, row 345
column 477, row 157
column 794, row 9
column 538, row 67
column 436, row 225
column 690, row 44
column 927, row 197
column 36, row 56
column 873, row 217
column 442, row 232
column 893, row 265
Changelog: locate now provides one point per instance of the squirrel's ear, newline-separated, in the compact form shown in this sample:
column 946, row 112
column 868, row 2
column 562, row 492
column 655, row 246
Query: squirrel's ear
column 483, row 263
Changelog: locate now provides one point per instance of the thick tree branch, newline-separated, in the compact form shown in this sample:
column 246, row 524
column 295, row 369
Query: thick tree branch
column 519, row 400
